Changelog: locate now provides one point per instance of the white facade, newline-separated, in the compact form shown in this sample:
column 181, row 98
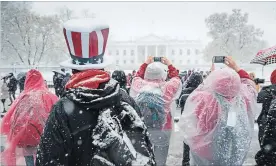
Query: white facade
column 129, row 55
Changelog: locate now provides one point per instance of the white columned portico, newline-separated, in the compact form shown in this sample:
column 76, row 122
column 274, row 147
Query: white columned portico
column 146, row 52
column 167, row 50
column 156, row 51
column 136, row 54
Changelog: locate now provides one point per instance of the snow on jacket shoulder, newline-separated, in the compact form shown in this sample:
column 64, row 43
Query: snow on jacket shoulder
column 94, row 127
column 267, row 154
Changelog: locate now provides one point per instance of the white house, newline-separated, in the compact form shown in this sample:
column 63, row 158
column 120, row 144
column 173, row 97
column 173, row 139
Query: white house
column 129, row 55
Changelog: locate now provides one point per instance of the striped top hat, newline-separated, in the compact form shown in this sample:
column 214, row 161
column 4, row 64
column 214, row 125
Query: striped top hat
column 86, row 42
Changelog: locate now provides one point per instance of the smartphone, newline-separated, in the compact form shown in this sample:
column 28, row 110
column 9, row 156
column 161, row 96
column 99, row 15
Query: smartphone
column 157, row 59
column 218, row 59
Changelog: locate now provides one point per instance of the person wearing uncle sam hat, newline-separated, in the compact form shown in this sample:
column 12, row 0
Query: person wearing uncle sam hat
column 95, row 122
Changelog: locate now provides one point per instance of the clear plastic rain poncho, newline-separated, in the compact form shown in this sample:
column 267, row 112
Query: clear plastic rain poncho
column 218, row 120
column 155, row 96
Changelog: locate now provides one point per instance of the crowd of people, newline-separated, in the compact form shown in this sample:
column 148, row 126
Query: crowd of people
column 8, row 89
column 10, row 85
column 109, row 119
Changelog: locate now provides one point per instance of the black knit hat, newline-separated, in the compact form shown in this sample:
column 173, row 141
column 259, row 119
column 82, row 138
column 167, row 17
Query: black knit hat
column 120, row 76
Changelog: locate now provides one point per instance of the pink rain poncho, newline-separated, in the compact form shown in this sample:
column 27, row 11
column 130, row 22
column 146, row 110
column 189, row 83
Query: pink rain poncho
column 25, row 120
column 155, row 98
column 218, row 120
column 151, row 78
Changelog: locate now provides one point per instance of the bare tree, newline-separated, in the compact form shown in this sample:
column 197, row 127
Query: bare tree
column 65, row 13
column 86, row 14
column 27, row 37
column 232, row 35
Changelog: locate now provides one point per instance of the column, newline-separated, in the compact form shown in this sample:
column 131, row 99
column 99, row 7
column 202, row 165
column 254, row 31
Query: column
column 146, row 52
column 167, row 51
column 156, row 51
column 136, row 54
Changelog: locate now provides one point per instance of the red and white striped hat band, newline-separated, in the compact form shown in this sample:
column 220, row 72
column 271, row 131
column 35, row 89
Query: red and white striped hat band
column 86, row 47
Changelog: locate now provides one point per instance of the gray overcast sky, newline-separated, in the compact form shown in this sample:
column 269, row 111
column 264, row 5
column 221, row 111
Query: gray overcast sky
column 175, row 19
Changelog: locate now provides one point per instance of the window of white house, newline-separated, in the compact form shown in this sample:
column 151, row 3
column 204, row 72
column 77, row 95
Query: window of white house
column 196, row 51
column 132, row 61
column 117, row 62
column 188, row 61
column 161, row 52
column 124, row 61
column 173, row 52
column 188, row 52
column 180, row 62
column 196, row 61
column 143, row 52
column 124, row 52
column 132, row 52
column 180, row 52
column 117, row 52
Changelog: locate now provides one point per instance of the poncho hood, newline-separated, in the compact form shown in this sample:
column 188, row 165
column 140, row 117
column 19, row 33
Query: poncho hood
column 225, row 82
column 34, row 81
column 155, row 71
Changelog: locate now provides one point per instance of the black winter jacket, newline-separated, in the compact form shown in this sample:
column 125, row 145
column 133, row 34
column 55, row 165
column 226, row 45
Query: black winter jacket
column 57, row 80
column 192, row 83
column 184, row 95
column 95, row 127
column 265, row 97
column 64, row 82
column 12, row 84
column 267, row 154
column 21, row 83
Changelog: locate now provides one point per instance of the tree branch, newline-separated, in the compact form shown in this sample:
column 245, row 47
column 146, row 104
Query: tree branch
column 36, row 49
column 16, row 50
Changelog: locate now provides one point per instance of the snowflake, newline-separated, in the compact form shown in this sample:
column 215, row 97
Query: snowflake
column 79, row 142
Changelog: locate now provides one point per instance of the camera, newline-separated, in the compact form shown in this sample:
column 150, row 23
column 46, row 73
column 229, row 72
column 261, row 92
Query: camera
column 218, row 59
column 157, row 59
column 259, row 81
